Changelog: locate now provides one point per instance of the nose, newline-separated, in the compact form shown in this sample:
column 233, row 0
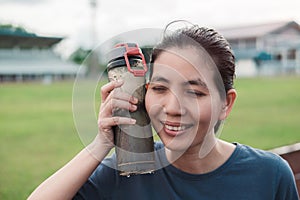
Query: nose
column 173, row 106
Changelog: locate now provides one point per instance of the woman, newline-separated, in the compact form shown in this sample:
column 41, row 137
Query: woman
column 189, row 94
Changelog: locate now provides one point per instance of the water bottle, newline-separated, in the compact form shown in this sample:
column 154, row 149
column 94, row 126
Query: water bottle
column 134, row 143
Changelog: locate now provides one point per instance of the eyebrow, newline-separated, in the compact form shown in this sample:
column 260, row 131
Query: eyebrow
column 159, row 79
column 197, row 82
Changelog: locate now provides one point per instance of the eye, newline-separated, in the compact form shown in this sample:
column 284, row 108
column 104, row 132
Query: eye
column 195, row 93
column 158, row 88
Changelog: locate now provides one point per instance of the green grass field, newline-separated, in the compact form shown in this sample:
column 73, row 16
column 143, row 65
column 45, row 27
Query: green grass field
column 266, row 114
column 38, row 136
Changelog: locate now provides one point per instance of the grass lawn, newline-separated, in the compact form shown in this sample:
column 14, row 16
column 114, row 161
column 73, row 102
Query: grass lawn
column 266, row 114
column 38, row 136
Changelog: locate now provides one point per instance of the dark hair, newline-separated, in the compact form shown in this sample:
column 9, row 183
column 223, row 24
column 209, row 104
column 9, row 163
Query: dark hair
column 211, row 41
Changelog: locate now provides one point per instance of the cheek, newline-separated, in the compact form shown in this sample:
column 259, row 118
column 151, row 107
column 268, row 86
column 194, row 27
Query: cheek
column 155, row 109
column 201, row 112
column 151, row 105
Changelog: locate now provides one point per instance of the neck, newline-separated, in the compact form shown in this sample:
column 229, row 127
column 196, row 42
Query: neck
column 202, row 159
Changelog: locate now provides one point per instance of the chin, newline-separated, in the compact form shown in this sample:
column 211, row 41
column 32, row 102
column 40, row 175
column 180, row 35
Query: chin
column 177, row 144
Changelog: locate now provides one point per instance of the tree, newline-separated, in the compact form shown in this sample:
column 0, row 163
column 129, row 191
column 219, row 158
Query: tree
column 79, row 55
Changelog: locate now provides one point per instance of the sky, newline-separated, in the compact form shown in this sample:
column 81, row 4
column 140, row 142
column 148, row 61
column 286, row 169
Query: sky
column 72, row 18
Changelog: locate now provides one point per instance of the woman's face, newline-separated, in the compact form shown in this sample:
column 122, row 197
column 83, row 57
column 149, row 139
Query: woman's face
column 181, row 99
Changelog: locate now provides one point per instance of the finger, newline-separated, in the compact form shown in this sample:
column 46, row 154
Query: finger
column 107, row 123
column 107, row 88
column 119, row 99
column 106, row 109
column 116, row 103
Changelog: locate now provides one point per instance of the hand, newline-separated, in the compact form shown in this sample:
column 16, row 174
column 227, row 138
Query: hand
column 113, row 98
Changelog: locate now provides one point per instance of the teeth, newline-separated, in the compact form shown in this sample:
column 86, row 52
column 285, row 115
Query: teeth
column 175, row 128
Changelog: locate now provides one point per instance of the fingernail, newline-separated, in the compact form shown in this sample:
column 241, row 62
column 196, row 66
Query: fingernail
column 134, row 107
column 132, row 121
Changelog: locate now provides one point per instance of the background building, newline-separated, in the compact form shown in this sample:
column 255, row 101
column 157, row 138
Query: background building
column 26, row 56
column 266, row 49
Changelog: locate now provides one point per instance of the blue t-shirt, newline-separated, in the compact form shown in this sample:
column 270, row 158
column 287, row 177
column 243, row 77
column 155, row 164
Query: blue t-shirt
column 248, row 174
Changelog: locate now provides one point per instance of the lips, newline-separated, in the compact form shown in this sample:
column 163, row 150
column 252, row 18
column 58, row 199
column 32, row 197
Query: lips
column 174, row 128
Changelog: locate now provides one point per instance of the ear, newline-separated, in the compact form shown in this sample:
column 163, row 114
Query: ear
column 229, row 102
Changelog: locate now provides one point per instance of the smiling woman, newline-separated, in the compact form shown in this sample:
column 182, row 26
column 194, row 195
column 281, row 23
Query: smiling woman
column 189, row 93
column 180, row 97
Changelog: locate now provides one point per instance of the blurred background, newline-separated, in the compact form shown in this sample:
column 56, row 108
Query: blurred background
column 45, row 44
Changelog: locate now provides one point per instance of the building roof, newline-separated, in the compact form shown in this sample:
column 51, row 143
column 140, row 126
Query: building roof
column 25, row 42
column 17, row 37
column 259, row 30
column 25, row 53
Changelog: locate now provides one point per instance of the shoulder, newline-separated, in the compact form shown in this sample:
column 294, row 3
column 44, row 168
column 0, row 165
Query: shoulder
column 262, row 162
column 257, row 155
column 266, row 161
